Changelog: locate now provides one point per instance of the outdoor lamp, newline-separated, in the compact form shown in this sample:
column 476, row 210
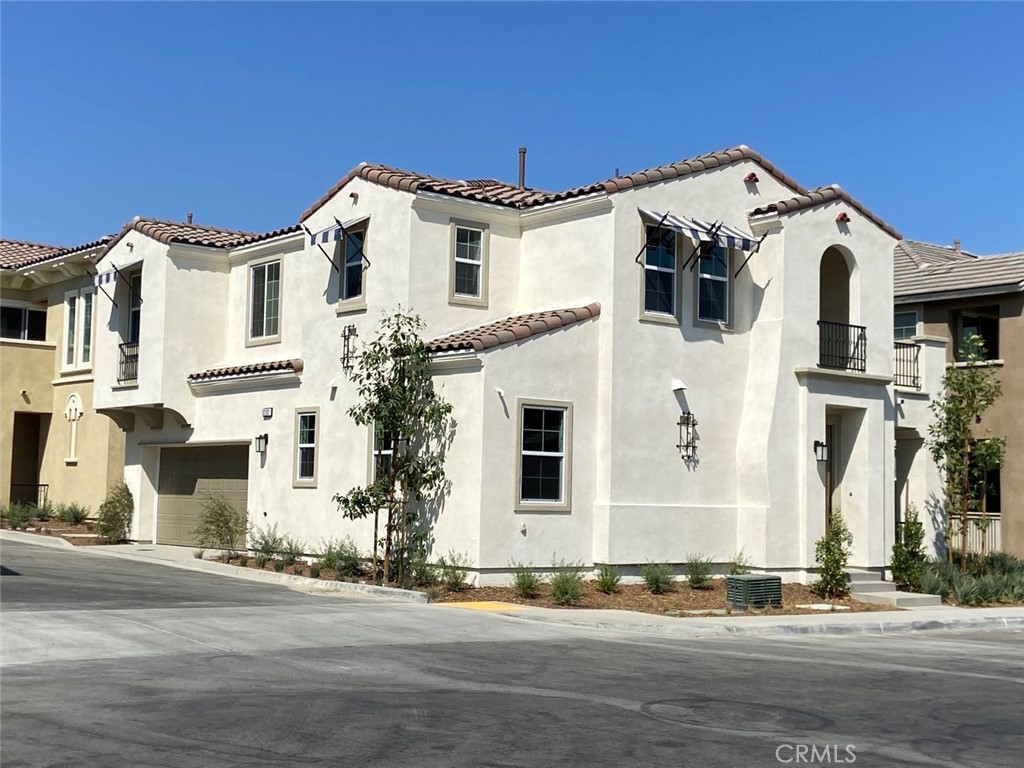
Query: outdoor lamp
column 261, row 443
column 820, row 450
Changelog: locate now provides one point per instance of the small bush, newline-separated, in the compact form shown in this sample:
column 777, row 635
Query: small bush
column 657, row 578
column 243, row 561
column 698, row 571
column 567, row 584
column 908, row 558
column 832, row 552
column 608, row 579
column 525, row 582
column 291, row 550
column 261, row 560
column 279, row 566
column 739, row 565
column 199, row 554
column 965, row 589
column 1002, row 563
column 44, row 513
column 18, row 515
column 221, row 526
column 314, row 571
column 341, row 556
column 115, row 517
column 266, row 540
column 453, row 568
column 73, row 514
column 933, row 584
column 423, row 573
column 434, row 593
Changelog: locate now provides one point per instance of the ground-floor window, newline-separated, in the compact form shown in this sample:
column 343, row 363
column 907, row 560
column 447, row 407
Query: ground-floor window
column 545, row 443
column 306, row 431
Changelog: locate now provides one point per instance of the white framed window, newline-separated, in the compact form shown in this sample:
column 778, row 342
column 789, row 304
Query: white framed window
column 78, row 329
column 545, row 456
column 352, row 265
column 467, row 283
column 134, row 307
column 660, row 285
column 904, row 325
column 383, row 453
column 713, row 284
column 20, row 321
column 265, row 301
column 307, row 430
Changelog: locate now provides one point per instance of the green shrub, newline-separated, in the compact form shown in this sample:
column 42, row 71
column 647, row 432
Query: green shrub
column 115, row 517
column 698, row 571
column 738, row 565
column 261, row 560
column 423, row 573
column 965, row 589
column 933, row 584
column 221, row 526
column 567, row 584
column 73, row 514
column 1002, row 563
column 908, row 558
column 199, row 554
column 657, row 577
column 314, row 571
column 990, row 588
column 279, row 566
column 45, row 512
column 267, row 540
column 291, row 549
column 832, row 552
column 453, row 570
column 243, row 561
column 525, row 582
column 18, row 515
column 608, row 579
column 341, row 556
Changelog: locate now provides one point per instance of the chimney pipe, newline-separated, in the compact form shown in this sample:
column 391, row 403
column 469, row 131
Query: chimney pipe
column 189, row 217
column 522, row 167
column 956, row 245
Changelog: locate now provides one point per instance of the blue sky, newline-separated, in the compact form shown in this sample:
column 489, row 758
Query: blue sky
column 246, row 113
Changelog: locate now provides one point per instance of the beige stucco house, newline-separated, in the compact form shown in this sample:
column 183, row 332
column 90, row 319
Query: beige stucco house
column 53, row 444
column 692, row 359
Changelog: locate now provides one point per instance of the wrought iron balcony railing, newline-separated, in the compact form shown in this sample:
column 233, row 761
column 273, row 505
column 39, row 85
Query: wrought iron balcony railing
column 128, row 370
column 905, row 364
column 842, row 346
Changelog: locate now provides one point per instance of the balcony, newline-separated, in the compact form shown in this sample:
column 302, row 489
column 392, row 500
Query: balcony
column 128, row 368
column 34, row 494
column 842, row 347
column 905, row 365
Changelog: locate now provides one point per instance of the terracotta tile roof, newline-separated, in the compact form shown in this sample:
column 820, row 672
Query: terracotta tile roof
column 821, row 196
column 169, row 232
column 512, row 329
column 500, row 193
column 15, row 254
column 923, row 271
column 252, row 369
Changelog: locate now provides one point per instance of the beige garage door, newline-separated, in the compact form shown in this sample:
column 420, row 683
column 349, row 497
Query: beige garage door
column 190, row 476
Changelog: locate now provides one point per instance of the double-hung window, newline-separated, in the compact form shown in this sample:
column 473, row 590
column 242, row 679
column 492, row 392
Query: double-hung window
column 545, row 451
column 307, row 429
column 713, row 284
column 660, row 295
column 904, row 326
column 352, row 267
column 383, row 452
column 265, row 301
column 468, row 267
column 78, row 329
column 21, row 322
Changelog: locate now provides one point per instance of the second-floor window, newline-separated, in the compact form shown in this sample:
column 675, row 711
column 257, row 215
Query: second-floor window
column 713, row 284
column 134, row 307
column 660, row 271
column 265, row 300
column 78, row 328
column 352, row 268
column 904, row 326
column 468, row 265
column 983, row 323
column 17, row 322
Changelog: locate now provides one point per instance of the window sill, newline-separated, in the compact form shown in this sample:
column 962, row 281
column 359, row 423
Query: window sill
column 124, row 386
column 263, row 341
column 659, row 319
column 304, row 484
column 70, row 377
column 979, row 364
column 350, row 307
column 714, row 325
column 467, row 301
column 71, row 462
column 534, row 508
column 28, row 343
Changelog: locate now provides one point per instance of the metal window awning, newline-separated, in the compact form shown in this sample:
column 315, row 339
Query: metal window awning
column 718, row 233
column 112, row 274
column 334, row 233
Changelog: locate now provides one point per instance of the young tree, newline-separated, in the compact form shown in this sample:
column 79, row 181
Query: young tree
column 963, row 456
column 397, row 399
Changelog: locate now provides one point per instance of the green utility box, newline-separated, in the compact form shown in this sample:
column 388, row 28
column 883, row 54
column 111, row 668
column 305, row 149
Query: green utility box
column 754, row 590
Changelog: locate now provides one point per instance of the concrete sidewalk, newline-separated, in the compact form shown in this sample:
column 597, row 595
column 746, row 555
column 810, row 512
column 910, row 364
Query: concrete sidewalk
column 876, row 622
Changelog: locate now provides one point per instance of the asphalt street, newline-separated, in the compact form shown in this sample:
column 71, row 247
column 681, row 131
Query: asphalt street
column 113, row 663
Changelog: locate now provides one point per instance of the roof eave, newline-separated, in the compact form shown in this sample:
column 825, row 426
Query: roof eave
column 959, row 293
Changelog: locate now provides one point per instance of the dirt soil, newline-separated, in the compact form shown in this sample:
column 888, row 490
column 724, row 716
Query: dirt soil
column 85, row 535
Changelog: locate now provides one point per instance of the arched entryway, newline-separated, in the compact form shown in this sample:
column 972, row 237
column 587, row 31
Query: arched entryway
column 842, row 344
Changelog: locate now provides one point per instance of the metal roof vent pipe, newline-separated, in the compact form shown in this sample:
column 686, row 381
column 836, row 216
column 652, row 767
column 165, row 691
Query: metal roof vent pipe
column 189, row 217
column 522, row 167
column 956, row 245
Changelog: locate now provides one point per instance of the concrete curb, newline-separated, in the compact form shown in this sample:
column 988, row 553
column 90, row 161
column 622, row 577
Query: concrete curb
column 231, row 571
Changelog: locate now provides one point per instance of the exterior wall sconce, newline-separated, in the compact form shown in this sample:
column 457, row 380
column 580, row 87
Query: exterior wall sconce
column 348, row 336
column 843, row 217
column 687, row 436
column 261, row 443
column 820, row 450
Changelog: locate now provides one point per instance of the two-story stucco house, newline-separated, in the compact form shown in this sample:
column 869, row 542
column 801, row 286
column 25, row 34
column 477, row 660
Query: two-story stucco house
column 692, row 359
column 53, row 445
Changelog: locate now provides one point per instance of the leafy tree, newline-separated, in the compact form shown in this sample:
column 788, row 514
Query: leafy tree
column 832, row 553
column 961, row 454
column 397, row 398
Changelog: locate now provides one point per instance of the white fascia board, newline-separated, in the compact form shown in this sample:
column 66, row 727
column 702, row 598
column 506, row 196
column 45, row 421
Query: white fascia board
column 244, row 381
column 468, row 209
column 292, row 241
column 987, row 290
column 455, row 362
column 567, row 209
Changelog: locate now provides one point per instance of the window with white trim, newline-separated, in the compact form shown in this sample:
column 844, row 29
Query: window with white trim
column 265, row 300
column 383, row 452
column 306, row 432
column 22, row 322
column 78, row 330
column 469, row 262
column 544, row 455
column 904, row 325
column 713, row 284
column 660, row 271
column 352, row 266
column 134, row 307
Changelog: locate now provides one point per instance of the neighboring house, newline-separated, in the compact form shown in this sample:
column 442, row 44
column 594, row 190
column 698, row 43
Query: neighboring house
column 943, row 295
column 53, row 445
column 629, row 383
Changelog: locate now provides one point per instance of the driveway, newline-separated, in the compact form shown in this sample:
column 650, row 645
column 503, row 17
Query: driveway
column 117, row 663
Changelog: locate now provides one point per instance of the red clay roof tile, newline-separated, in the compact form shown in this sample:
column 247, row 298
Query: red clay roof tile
column 499, row 332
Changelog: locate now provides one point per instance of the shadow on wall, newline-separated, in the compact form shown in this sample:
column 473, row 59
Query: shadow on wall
column 431, row 507
column 936, row 510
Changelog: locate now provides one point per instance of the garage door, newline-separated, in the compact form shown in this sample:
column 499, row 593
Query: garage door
column 190, row 476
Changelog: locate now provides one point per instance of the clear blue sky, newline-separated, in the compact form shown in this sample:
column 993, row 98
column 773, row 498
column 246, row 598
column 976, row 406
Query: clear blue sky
column 246, row 113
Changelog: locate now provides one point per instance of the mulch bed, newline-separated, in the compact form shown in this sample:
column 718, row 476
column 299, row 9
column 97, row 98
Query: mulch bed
column 81, row 534
column 635, row 597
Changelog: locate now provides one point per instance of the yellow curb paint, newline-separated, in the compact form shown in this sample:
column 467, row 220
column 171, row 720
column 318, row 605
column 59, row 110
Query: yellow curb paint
column 484, row 606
